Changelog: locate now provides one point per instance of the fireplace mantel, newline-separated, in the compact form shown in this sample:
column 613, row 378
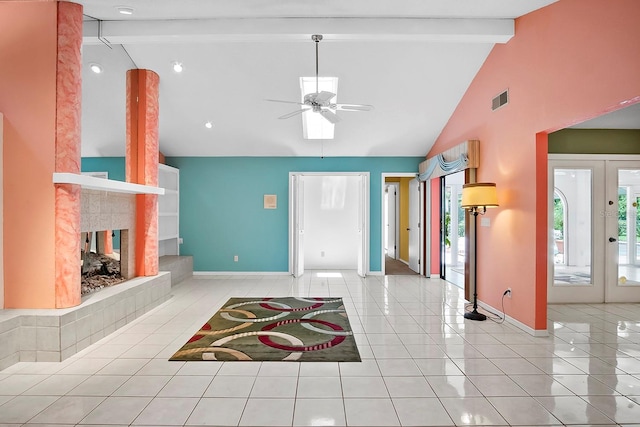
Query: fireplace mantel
column 93, row 183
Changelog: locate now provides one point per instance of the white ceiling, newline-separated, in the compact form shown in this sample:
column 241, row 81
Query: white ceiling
column 411, row 59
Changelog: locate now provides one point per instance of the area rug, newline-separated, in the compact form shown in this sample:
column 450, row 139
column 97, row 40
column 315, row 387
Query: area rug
column 270, row 329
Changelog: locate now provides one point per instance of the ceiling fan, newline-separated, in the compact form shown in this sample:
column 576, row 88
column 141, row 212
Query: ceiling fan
column 320, row 102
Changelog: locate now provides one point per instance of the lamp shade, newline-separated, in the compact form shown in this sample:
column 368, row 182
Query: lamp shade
column 479, row 194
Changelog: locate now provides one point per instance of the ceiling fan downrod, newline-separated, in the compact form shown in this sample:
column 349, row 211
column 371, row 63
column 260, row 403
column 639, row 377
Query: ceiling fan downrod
column 316, row 38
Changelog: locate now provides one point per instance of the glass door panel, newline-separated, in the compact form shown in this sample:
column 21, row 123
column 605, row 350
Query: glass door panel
column 573, row 228
column 623, row 228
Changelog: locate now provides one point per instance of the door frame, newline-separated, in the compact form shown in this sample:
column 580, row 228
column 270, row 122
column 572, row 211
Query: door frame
column 604, row 255
column 423, row 218
column 296, row 209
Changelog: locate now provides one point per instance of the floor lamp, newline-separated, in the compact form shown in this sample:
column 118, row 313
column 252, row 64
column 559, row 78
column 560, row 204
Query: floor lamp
column 477, row 197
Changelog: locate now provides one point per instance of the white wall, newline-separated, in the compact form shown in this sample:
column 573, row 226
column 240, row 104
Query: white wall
column 1, row 215
column 331, row 222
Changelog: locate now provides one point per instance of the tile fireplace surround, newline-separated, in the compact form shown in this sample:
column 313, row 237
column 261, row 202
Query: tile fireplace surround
column 52, row 335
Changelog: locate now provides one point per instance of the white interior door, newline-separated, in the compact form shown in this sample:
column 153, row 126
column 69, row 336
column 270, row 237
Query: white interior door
column 296, row 203
column 593, row 237
column 414, row 225
column 363, row 226
column 392, row 220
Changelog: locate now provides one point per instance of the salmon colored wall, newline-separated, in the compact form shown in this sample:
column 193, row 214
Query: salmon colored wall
column 568, row 62
column 28, row 101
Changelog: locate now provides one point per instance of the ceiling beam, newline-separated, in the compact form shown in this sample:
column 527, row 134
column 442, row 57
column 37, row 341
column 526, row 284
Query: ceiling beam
column 299, row 29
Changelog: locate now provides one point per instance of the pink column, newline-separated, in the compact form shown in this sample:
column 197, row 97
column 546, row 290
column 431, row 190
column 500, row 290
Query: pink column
column 142, row 163
column 67, row 154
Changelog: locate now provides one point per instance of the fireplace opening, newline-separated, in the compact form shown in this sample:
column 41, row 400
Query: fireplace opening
column 100, row 260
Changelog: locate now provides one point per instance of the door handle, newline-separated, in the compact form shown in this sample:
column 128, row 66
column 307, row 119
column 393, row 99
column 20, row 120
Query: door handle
column 612, row 239
column 408, row 229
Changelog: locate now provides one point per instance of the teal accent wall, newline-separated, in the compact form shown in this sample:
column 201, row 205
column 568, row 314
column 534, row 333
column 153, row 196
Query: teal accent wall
column 115, row 166
column 222, row 214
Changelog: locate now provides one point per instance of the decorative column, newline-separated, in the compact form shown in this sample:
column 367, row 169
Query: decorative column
column 142, row 164
column 67, row 154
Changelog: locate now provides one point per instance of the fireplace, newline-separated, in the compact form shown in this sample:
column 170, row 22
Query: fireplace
column 107, row 224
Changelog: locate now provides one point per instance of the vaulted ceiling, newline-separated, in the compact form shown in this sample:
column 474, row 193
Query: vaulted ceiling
column 411, row 59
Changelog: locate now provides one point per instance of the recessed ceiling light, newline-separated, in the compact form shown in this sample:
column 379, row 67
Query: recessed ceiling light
column 177, row 66
column 208, row 125
column 96, row 68
column 124, row 10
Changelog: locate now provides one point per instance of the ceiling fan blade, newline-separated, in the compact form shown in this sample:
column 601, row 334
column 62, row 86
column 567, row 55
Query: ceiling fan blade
column 354, row 107
column 294, row 113
column 330, row 115
column 286, row 102
column 323, row 97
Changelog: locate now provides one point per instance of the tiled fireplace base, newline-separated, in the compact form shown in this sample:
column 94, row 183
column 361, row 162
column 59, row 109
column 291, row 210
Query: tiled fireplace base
column 54, row 335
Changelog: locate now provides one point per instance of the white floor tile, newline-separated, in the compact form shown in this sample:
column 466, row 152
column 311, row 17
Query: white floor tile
column 319, row 387
column 22, row 408
column 523, row 410
column 373, row 387
column 68, row 409
column 166, row 411
column 452, row 386
column 319, row 369
column 221, row 412
column 142, row 386
column 421, row 412
column 56, row 385
column 472, row 411
column 573, row 410
column 230, row 386
column 319, row 412
column 274, row 387
column 370, row 412
column 186, row 386
column 99, row 385
column 117, row 410
column 408, row 387
column 268, row 412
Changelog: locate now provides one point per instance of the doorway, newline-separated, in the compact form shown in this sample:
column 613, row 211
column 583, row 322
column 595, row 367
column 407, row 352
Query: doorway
column 594, row 229
column 453, row 229
column 328, row 221
column 402, row 214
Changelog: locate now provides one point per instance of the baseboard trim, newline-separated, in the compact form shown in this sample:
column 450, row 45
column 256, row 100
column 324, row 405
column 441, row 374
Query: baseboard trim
column 241, row 273
column 515, row 322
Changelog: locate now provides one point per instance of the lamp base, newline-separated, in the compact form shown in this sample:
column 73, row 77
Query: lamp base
column 474, row 315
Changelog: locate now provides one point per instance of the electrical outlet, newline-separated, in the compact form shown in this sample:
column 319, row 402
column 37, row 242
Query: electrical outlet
column 508, row 292
column 180, row 241
column 235, row 258
column 322, row 254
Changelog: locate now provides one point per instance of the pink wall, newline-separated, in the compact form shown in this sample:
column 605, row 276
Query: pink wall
column 568, row 62
column 28, row 102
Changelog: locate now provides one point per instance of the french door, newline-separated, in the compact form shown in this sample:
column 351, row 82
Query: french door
column 594, row 230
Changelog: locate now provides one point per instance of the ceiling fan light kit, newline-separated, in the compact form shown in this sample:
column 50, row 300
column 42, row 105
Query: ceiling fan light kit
column 320, row 101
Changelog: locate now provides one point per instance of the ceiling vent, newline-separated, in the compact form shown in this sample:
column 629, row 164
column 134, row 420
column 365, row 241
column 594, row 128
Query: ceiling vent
column 500, row 100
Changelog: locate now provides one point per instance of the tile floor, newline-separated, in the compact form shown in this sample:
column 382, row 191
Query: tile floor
column 423, row 365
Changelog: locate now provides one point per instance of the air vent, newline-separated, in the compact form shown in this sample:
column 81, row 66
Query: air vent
column 500, row 100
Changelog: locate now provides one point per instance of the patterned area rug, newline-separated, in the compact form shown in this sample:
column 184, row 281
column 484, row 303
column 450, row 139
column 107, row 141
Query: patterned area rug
column 288, row 329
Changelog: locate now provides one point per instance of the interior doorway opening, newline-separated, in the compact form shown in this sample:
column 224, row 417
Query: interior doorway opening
column 328, row 221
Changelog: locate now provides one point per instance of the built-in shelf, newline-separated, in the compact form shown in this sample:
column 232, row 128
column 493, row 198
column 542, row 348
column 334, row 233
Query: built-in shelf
column 92, row 183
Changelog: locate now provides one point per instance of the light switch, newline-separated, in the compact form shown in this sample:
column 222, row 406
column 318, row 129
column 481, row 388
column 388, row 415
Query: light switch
column 485, row 222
